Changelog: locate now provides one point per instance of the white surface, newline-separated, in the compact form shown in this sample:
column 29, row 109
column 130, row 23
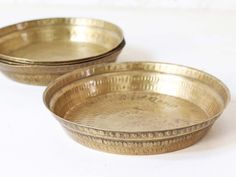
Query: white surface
column 196, row 4
column 32, row 143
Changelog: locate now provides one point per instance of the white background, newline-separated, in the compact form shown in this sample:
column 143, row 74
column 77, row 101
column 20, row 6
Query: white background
column 198, row 4
column 32, row 143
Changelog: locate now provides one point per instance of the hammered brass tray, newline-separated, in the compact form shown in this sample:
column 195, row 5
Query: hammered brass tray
column 36, row 52
column 137, row 107
column 44, row 74
column 58, row 41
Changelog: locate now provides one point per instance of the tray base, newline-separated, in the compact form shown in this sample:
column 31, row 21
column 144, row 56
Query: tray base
column 136, row 111
column 139, row 147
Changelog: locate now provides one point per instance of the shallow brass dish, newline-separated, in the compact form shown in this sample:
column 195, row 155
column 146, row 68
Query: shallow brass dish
column 44, row 74
column 59, row 41
column 137, row 108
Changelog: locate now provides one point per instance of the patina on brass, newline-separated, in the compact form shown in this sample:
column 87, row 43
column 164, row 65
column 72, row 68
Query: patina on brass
column 137, row 107
column 38, row 51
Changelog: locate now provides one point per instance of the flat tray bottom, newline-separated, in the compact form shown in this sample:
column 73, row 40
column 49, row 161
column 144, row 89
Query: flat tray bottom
column 58, row 51
column 136, row 111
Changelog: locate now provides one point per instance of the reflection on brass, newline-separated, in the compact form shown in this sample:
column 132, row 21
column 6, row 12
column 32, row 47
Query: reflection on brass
column 38, row 51
column 137, row 107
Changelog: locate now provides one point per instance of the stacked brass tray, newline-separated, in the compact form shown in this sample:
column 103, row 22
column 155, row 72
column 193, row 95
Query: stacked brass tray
column 38, row 51
column 125, row 108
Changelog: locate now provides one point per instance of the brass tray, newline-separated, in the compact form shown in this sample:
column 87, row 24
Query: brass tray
column 58, row 41
column 137, row 107
column 44, row 74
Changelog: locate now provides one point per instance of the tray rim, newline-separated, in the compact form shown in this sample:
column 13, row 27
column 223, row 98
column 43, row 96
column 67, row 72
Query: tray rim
column 30, row 61
column 58, row 64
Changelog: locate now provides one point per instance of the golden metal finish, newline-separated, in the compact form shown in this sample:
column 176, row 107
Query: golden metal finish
column 137, row 107
column 37, row 52
column 44, row 74
column 58, row 40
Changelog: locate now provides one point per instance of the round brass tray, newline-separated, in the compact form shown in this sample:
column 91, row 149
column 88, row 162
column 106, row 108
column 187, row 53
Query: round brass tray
column 59, row 41
column 137, row 107
column 44, row 74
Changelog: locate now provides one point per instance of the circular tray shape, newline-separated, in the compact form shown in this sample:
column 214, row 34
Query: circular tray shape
column 137, row 107
column 59, row 40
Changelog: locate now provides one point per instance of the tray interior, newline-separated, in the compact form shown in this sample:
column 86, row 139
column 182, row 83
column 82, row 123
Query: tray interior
column 137, row 101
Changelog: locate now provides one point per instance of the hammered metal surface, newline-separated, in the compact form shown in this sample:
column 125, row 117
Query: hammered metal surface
column 133, row 111
column 137, row 108
column 43, row 75
column 58, row 40
column 37, row 52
